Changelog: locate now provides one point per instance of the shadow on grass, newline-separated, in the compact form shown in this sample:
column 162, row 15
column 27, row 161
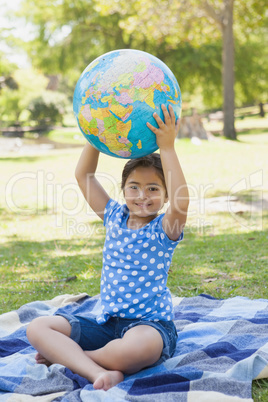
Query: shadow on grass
column 28, row 158
column 56, row 251
column 7, row 215
column 233, row 259
column 251, row 131
column 36, row 270
column 246, row 196
column 222, row 265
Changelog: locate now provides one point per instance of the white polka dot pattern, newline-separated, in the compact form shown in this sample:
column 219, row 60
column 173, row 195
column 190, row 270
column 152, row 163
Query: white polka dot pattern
column 135, row 268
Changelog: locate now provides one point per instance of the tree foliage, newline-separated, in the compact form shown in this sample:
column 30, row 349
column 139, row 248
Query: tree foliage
column 186, row 35
column 6, row 68
column 47, row 109
column 20, row 104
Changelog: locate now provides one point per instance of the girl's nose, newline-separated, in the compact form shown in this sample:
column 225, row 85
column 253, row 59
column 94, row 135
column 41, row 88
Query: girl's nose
column 142, row 194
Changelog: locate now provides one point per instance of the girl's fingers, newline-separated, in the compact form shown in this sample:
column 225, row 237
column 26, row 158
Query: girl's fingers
column 177, row 125
column 169, row 114
column 169, row 118
column 151, row 127
column 172, row 114
column 158, row 119
column 166, row 114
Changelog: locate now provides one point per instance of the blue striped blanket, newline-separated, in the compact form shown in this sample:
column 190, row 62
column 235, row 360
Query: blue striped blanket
column 222, row 346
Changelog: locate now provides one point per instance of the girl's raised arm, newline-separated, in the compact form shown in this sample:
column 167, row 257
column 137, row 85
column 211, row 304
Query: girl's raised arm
column 92, row 190
column 176, row 214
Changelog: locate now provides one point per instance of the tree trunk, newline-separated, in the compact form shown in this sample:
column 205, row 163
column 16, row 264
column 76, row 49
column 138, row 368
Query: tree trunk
column 228, row 70
column 192, row 126
column 262, row 112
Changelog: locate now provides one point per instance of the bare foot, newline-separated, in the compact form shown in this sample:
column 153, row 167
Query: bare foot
column 42, row 360
column 108, row 380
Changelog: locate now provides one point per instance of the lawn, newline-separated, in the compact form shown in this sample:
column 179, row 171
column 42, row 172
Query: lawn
column 51, row 243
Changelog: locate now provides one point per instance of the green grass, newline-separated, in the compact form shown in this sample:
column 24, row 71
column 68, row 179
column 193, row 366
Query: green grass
column 70, row 135
column 51, row 244
column 222, row 261
column 44, row 221
column 242, row 125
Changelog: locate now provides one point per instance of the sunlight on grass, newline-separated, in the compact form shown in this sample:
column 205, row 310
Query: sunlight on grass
column 88, row 274
column 240, row 124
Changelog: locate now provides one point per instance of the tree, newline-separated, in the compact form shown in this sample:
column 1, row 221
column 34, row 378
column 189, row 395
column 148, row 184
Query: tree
column 223, row 17
column 6, row 68
column 162, row 19
column 68, row 34
column 14, row 103
column 189, row 35
column 9, row 97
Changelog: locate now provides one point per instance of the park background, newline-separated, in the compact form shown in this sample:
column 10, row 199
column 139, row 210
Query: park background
column 50, row 242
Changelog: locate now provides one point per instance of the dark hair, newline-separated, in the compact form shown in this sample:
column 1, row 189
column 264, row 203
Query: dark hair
column 152, row 160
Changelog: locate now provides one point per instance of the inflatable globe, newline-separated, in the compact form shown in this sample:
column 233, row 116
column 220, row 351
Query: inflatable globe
column 117, row 95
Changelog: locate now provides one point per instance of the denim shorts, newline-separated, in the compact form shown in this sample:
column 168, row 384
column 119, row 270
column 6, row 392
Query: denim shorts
column 91, row 336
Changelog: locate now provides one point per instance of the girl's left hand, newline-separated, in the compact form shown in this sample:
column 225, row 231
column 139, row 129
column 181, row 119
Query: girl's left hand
column 167, row 131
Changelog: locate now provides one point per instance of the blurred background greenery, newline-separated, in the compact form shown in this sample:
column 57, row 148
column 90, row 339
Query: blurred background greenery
column 46, row 45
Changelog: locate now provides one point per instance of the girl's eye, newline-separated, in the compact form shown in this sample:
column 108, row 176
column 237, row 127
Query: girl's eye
column 153, row 188
column 133, row 187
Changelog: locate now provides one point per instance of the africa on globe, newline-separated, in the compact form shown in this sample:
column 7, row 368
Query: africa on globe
column 117, row 95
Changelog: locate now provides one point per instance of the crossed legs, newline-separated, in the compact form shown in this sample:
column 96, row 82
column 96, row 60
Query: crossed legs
column 141, row 346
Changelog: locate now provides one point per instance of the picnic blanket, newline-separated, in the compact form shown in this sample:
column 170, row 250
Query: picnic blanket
column 222, row 346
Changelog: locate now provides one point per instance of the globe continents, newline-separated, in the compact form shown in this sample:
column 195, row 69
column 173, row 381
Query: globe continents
column 117, row 94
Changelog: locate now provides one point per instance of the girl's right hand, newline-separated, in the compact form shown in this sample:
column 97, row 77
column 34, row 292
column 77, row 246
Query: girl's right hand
column 167, row 131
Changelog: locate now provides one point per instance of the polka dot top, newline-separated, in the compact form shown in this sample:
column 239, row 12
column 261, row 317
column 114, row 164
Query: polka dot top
column 135, row 268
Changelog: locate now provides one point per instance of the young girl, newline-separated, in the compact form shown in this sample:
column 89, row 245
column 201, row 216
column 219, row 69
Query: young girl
column 134, row 329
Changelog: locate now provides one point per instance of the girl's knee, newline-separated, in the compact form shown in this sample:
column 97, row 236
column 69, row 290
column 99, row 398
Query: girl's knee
column 39, row 326
column 35, row 328
column 146, row 344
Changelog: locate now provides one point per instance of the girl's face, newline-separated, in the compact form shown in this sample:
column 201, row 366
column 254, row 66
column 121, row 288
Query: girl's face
column 144, row 192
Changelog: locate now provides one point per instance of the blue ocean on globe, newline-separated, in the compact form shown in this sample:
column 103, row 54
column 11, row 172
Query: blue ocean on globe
column 117, row 94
